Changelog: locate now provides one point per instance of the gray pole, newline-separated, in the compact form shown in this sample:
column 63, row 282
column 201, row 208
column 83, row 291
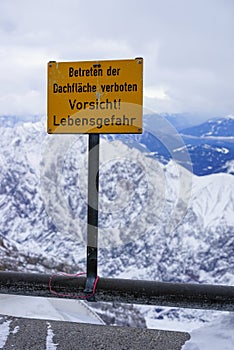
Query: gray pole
column 92, row 220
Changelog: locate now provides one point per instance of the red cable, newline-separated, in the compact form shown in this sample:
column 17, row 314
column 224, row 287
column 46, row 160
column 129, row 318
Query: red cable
column 71, row 295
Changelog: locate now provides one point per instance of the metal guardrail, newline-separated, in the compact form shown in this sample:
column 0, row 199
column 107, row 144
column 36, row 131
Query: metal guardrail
column 194, row 296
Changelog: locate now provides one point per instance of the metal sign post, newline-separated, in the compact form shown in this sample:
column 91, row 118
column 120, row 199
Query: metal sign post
column 92, row 220
column 95, row 97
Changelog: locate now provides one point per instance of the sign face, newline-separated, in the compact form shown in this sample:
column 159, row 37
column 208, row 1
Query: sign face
column 95, row 97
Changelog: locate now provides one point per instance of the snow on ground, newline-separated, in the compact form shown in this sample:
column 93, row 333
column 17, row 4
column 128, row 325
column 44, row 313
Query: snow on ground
column 48, row 309
column 4, row 332
column 216, row 335
column 49, row 339
column 172, row 325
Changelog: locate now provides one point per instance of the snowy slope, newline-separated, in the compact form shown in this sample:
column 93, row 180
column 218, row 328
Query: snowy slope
column 209, row 199
column 157, row 221
column 43, row 195
column 214, row 336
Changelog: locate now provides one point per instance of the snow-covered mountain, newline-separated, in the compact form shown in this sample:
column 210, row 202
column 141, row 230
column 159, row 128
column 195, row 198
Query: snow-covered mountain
column 207, row 148
column 157, row 221
column 43, row 193
column 217, row 127
column 211, row 145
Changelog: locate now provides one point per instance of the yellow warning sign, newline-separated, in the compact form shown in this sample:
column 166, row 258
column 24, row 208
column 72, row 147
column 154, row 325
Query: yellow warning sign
column 95, row 97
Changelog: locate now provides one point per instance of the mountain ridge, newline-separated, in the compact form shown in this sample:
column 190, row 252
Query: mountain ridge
column 157, row 220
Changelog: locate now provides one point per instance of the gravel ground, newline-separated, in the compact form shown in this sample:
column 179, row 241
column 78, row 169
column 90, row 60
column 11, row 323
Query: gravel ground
column 30, row 334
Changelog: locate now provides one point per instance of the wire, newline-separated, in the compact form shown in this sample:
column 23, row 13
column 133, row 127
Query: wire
column 69, row 294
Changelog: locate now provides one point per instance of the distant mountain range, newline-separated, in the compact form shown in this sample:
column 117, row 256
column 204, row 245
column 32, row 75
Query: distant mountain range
column 153, row 190
column 183, row 120
column 218, row 128
column 195, row 148
column 211, row 146
column 207, row 147
column 157, row 220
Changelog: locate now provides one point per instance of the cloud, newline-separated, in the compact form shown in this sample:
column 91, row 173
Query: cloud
column 187, row 48
column 158, row 93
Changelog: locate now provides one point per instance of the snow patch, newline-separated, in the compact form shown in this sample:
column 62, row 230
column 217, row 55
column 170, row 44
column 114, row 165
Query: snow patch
column 49, row 339
column 216, row 335
column 4, row 333
column 48, row 309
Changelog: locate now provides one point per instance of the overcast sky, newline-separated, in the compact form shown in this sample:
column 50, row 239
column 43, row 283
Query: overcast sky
column 187, row 46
